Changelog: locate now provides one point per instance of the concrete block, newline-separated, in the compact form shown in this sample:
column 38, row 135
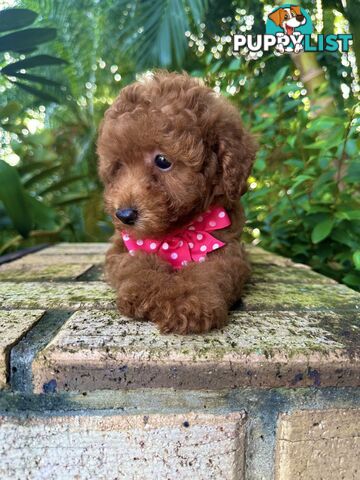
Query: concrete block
column 181, row 446
column 294, row 273
column 300, row 296
column 25, row 272
column 67, row 295
column 60, row 259
column 102, row 350
column 75, row 248
column 319, row 445
column 13, row 326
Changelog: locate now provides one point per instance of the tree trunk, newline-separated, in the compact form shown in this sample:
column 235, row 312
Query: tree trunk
column 313, row 77
column 315, row 82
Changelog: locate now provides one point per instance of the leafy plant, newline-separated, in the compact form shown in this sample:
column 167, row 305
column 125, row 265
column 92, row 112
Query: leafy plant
column 23, row 41
column 154, row 30
column 303, row 200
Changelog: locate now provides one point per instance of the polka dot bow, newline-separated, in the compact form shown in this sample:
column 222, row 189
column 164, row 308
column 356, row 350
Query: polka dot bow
column 190, row 244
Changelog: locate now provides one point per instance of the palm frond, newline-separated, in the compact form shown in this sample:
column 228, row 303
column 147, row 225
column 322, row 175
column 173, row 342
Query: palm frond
column 155, row 30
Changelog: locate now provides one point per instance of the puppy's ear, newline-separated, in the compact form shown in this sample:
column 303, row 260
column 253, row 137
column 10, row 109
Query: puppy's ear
column 106, row 150
column 276, row 16
column 296, row 9
column 236, row 150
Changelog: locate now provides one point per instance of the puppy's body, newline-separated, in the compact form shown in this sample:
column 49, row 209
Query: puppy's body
column 210, row 155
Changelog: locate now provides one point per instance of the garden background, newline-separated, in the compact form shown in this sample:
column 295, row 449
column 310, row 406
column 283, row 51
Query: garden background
column 63, row 62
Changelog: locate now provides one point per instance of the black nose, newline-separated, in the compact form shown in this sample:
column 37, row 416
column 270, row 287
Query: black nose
column 300, row 18
column 127, row 215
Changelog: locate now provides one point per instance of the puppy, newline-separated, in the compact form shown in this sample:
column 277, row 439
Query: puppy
column 174, row 158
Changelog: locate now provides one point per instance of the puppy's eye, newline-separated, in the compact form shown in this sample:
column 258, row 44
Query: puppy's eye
column 286, row 17
column 162, row 162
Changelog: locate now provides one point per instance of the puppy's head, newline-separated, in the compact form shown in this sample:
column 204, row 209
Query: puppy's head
column 170, row 147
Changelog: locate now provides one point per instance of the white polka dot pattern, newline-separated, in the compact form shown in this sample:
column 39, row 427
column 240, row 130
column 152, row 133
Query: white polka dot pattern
column 192, row 244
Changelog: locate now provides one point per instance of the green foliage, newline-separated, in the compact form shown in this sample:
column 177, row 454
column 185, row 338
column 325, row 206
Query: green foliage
column 23, row 41
column 304, row 200
column 13, row 197
column 154, row 30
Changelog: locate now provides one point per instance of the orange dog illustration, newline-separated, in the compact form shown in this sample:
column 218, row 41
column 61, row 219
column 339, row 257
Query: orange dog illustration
column 288, row 18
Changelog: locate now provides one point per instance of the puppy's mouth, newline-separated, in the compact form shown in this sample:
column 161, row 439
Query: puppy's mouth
column 289, row 30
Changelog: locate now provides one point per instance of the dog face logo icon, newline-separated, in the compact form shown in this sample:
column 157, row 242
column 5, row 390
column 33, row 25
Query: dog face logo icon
column 289, row 23
column 289, row 19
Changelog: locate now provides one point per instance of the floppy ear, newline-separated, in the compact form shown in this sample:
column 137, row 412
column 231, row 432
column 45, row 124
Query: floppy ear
column 296, row 9
column 235, row 151
column 276, row 16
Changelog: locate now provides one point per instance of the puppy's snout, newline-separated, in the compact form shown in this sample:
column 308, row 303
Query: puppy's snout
column 300, row 18
column 127, row 215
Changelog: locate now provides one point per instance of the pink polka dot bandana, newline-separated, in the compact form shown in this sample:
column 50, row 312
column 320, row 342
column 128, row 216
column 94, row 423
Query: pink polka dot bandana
column 191, row 244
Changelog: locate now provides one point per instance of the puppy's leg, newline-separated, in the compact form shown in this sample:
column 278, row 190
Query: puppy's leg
column 198, row 297
column 137, row 279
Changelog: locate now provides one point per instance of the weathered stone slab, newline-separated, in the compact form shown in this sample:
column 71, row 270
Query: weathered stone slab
column 302, row 296
column 101, row 350
column 28, row 272
column 64, row 259
column 13, row 325
column 319, row 445
column 74, row 249
column 180, row 446
column 258, row 255
column 65, row 295
column 295, row 273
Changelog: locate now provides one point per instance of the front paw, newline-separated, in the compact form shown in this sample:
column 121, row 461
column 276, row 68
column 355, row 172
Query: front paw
column 190, row 313
column 132, row 299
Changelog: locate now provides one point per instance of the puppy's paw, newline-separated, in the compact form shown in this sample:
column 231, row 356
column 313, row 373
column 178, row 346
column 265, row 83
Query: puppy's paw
column 132, row 299
column 191, row 313
column 298, row 48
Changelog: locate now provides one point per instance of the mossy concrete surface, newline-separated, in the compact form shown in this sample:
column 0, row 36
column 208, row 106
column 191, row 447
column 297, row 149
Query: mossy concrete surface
column 73, row 295
column 21, row 272
column 100, row 349
column 60, row 259
column 294, row 328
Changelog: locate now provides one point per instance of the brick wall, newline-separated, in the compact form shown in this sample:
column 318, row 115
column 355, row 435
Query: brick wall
column 85, row 393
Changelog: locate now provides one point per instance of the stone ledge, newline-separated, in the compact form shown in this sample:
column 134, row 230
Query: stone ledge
column 295, row 328
column 259, row 349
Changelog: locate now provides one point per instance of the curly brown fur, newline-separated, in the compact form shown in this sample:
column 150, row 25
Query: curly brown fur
column 212, row 155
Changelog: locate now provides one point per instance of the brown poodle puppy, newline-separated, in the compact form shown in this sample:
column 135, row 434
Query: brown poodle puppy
column 170, row 149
